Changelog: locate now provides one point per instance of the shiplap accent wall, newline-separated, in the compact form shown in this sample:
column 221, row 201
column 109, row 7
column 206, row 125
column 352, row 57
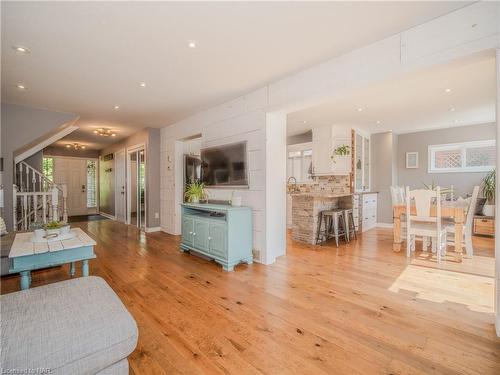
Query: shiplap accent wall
column 437, row 41
column 243, row 119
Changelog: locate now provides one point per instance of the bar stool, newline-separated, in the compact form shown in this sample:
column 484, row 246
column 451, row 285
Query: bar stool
column 334, row 226
column 351, row 227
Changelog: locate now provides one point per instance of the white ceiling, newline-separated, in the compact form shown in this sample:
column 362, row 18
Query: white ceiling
column 416, row 101
column 87, row 57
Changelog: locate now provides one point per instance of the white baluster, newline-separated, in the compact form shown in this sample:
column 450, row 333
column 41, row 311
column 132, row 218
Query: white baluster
column 55, row 200
column 44, row 208
column 14, row 206
column 25, row 212
column 33, row 179
column 27, row 185
column 35, row 204
column 64, row 202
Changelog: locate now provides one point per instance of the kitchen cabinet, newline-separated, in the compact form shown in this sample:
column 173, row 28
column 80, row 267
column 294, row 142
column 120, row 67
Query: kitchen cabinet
column 365, row 211
column 325, row 140
column 222, row 233
column 361, row 162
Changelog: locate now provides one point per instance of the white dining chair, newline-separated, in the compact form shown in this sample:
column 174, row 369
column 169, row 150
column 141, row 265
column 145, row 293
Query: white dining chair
column 467, row 229
column 422, row 223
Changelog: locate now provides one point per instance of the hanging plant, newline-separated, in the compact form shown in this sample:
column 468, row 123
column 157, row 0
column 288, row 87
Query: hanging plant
column 343, row 150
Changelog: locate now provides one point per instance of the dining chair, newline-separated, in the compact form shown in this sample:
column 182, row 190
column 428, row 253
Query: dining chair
column 422, row 223
column 467, row 231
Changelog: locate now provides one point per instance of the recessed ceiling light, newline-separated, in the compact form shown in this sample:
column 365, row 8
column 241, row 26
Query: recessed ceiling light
column 452, row 109
column 21, row 49
column 21, row 87
column 360, row 109
column 192, row 44
column 142, row 84
column 116, row 107
column 447, row 90
column 305, row 122
column 379, row 122
column 113, row 134
column 68, row 146
column 456, row 121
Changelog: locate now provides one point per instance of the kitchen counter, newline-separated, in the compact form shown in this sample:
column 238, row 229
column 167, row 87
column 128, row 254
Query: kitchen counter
column 321, row 195
column 306, row 208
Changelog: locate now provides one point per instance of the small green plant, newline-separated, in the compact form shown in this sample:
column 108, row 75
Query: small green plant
column 195, row 191
column 55, row 224
column 489, row 187
column 343, row 150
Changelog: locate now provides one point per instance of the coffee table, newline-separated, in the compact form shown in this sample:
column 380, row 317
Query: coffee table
column 26, row 255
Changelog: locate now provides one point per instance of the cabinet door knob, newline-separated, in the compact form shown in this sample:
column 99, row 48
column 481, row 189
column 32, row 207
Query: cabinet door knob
column 194, row 234
column 209, row 238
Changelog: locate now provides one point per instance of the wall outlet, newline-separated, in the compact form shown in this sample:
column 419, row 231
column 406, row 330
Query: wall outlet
column 157, row 215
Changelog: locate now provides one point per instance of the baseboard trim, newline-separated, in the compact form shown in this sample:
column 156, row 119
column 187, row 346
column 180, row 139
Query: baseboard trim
column 107, row 215
column 384, row 225
column 153, row 229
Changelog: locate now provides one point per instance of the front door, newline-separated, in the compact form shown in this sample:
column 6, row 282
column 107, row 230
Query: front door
column 73, row 173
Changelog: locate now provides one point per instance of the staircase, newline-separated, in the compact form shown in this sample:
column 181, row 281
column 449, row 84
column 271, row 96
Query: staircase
column 36, row 198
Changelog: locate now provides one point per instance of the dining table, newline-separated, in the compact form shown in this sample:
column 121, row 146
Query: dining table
column 449, row 209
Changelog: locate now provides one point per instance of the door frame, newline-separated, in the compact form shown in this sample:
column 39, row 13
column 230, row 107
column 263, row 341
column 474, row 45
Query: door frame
column 131, row 150
column 117, row 192
column 97, row 177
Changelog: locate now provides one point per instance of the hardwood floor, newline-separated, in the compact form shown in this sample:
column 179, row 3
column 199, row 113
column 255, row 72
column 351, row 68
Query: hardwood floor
column 319, row 310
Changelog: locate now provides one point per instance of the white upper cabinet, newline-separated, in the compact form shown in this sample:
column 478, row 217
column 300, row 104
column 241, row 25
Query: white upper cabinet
column 326, row 140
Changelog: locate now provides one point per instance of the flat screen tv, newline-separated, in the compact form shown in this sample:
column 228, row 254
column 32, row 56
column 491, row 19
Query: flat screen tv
column 225, row 166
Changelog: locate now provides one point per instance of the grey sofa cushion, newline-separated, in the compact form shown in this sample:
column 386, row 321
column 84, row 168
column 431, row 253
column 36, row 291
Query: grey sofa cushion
column 77, row 326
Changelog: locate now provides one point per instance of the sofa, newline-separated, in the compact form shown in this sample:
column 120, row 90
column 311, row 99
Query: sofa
column 78, row 326
column 5, row 245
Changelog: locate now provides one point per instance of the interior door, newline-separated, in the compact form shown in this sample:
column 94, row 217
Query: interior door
column 120, row 197
column 73, row 173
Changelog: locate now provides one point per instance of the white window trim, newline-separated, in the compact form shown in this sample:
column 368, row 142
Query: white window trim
column 300, row 147
column 453, row 146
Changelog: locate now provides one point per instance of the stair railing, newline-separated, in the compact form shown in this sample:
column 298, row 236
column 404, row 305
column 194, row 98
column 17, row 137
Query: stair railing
column 36, row 199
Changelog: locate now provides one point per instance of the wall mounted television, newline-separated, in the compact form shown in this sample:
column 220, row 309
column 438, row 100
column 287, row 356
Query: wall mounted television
column 225, row 165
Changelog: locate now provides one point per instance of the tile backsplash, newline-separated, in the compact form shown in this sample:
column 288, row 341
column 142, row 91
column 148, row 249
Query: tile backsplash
column 325, row 184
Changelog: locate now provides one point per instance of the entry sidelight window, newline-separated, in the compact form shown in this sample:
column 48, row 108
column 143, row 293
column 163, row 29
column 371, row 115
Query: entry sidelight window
column 91, row 184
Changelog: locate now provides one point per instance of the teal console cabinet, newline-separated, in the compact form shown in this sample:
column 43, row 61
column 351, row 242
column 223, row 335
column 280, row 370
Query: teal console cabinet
column 220, row 232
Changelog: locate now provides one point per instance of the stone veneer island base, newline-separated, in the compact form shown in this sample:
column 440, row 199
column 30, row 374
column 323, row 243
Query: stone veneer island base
column 305, row 212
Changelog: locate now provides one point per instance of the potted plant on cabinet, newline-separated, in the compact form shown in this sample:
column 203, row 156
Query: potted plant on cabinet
column 488, row 191
column 195, row 191
column 343, row 150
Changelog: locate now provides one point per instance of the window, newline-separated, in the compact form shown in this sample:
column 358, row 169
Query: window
column 48, row 168
column 91, row 184
column 299, row 162
column 476, row 156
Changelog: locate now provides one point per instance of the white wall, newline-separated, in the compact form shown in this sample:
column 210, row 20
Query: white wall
column 244, row 118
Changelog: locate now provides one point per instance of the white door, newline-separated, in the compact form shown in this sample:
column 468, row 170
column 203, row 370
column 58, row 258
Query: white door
column 73, row 173
column 120, row 197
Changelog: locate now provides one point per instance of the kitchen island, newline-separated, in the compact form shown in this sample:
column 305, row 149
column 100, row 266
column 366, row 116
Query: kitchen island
column 306, row 207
